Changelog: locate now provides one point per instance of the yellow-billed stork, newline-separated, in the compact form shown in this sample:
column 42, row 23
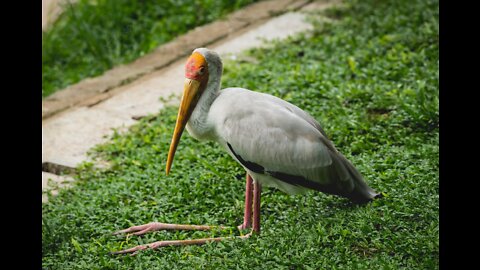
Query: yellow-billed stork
column 277, row 143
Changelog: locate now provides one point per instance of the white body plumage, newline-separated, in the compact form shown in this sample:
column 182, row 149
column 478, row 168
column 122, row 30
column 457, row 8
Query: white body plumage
column 262, row 131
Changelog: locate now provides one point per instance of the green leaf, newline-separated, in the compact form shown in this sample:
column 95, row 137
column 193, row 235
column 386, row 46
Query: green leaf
column 352, row 64
column 76, row 245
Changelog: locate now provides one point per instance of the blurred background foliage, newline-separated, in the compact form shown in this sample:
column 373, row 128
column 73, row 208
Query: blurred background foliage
column 91, row 37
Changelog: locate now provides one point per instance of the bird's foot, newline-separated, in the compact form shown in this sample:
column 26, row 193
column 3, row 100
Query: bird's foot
column 244, row 226
column 157, row 226
column 134, row 250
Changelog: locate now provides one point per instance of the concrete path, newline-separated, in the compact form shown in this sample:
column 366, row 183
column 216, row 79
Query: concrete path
column 51, row 9
column 71, row 132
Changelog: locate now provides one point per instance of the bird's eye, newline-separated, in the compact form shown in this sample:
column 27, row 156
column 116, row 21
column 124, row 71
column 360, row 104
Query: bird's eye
column 201, row 70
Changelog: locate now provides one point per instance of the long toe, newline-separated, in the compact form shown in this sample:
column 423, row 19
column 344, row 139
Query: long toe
column 158, row 244
column 156, row 226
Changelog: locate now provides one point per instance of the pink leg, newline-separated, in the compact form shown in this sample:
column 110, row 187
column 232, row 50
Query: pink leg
column 247, row 217
column 247, row 221
column 257, row 190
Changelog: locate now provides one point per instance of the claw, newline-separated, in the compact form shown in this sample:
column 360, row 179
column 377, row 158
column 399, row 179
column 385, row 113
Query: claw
column 132, row 250
column 142, row 228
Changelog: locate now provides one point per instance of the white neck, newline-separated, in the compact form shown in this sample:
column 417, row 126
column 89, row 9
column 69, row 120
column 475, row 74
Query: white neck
column 198, row 125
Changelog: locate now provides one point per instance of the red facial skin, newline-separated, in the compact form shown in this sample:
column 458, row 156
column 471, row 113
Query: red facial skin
column 196, row 67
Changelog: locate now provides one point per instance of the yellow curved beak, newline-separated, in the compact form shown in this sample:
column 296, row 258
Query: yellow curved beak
column 187, row 104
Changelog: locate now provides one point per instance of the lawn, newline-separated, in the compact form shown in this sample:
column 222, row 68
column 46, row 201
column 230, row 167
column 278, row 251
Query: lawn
column 91, row 37
column 370, row 78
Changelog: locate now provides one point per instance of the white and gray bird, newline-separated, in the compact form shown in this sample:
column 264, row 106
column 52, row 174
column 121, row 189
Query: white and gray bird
column 278, row 144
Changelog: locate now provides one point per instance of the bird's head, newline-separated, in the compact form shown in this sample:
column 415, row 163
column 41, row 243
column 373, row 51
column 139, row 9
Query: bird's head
column 199, row 67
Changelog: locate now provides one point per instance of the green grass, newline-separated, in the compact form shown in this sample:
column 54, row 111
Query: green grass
column 371, row 80
column 93, row 36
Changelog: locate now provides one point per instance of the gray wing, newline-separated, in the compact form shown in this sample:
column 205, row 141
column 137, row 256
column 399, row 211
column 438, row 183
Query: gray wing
column 276, row 135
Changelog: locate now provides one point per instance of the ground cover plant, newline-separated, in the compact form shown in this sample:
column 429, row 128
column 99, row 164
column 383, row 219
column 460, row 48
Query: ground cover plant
column 93, row 36
column 371, row 80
